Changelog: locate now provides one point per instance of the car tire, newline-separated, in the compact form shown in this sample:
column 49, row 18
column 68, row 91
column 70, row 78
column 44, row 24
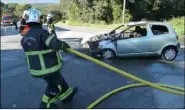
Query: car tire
column 169, row 53
column 108, row 54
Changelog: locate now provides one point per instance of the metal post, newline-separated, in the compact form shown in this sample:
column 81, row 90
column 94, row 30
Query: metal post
column 124, row 4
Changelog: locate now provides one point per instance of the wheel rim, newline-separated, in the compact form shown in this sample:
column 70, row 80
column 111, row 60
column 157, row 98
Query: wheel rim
column 170, row 54
column 107, row 54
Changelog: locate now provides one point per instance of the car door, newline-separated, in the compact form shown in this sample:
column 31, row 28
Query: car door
column 159, row 37
column 133, row 46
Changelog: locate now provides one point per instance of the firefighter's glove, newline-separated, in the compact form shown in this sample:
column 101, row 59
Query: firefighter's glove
column 52, row 31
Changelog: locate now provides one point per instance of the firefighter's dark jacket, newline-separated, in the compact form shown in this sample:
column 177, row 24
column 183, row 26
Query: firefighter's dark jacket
column 52, row 27
column 22, row 24
column 41, row 50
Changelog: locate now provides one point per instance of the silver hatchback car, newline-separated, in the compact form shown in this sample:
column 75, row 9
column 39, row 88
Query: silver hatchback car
column 137, row 39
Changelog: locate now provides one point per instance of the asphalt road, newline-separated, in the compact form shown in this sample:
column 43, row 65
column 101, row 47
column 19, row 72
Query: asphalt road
column 20, row 90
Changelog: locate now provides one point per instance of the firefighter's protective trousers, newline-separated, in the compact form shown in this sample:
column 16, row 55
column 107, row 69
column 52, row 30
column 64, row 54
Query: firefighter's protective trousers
column 57, row 89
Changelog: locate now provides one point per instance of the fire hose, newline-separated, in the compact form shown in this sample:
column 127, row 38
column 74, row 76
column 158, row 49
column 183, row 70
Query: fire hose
column 163, row 87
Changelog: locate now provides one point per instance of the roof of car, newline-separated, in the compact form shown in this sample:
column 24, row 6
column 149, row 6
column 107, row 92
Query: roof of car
column 145, row 22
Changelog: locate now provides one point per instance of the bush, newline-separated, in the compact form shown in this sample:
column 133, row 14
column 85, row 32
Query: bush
column 57, row 15
column 178, row 24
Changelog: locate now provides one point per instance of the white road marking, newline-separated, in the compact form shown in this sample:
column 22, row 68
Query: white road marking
column 182, row 46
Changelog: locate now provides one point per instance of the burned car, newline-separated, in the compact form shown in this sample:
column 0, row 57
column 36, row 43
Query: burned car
column 137, row 39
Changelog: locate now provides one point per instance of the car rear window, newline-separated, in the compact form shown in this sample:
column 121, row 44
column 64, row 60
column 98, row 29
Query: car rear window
column 159, row 29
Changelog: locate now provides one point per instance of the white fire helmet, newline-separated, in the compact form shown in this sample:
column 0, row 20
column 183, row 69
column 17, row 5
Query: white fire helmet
column 33, row 15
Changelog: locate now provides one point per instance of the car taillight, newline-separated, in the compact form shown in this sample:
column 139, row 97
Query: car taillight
column 177, row 37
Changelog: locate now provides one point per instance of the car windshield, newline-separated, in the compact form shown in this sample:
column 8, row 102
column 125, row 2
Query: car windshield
column 119, row 29
column 7, row 17
column 124, row 28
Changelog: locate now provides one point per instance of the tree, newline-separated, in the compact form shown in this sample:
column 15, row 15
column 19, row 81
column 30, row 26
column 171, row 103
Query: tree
column 2, row 5
column 27, row 6
column 72, row 11
column 11, row 7
column 57, row 15
column 103, row 11
column 167, row 9
column 108, row 11
column 21, row 8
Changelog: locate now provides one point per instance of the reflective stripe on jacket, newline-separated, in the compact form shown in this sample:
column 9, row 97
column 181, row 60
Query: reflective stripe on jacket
column 41, row 50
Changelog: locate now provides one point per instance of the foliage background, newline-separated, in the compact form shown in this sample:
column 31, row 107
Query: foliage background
column 101, row 13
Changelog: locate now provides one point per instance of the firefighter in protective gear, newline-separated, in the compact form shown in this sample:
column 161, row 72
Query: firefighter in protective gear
column 23, row 21
column 44, row 61
column 50, row 23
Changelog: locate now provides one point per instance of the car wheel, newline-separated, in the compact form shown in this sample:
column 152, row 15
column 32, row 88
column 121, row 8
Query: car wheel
column 169, row 53
column 108, row 54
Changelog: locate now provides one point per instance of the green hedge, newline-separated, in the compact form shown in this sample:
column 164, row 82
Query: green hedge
column 178, row 24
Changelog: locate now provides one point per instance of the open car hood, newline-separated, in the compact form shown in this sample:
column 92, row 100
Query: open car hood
column 99, row 37
column 103, row 36
column 95, row 38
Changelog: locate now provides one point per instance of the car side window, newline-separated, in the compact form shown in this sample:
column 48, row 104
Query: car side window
column 131, row 29
column 159, row 29
column 135, row 32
